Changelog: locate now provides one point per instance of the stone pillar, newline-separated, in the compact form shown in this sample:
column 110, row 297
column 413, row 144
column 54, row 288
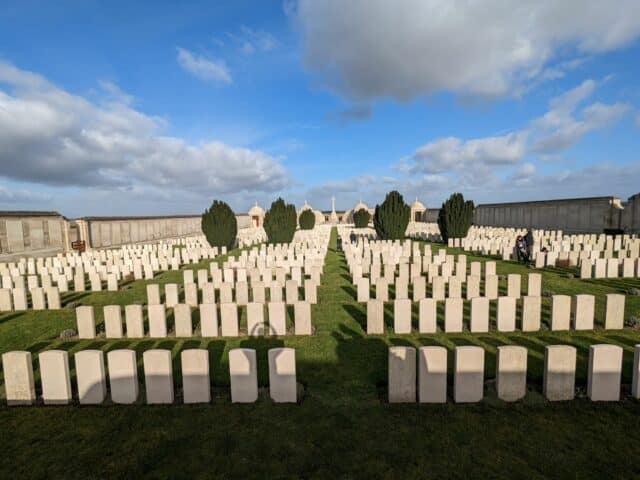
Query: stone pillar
column 17, row 368
column 511, row 372
column 243, row 375
column 283, row 387
column 90, row 376
column 158, row 376
column 123, row 376
column 559, row 381
column 55, row 378
column 196, row 384
column 432, row 375
column 605, row 371
column 469, row 374
column 402, row 374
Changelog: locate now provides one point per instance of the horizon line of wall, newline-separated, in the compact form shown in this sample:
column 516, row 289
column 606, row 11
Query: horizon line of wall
column 38, row 233
column 571, row 215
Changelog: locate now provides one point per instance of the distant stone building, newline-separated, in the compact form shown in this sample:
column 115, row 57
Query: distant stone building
column 32, row 232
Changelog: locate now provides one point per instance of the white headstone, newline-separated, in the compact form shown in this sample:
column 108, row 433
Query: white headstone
column 243, row 374
column 432, row 375
column 402, row 374
column 90, row 376
column 158, row 376
column 282, row 375
column 123, row 376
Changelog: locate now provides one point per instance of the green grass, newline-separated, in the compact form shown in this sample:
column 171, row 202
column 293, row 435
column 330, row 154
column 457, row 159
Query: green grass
column 343, row 428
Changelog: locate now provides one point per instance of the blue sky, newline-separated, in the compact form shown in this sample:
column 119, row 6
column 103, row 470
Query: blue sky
column 117, row 108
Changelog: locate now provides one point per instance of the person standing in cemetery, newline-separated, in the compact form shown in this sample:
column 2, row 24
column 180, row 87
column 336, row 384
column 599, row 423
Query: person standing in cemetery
column 522, row 252
column 528, row 238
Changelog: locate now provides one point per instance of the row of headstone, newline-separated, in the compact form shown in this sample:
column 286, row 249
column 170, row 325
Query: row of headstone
column 577, row 313
column 233, row 274
column 39, row 299
column 122, row 372
column 608, row 256
column 241, row 294
column 428, row 382
column 227, row 325
column 610, row 268
column 441, row 289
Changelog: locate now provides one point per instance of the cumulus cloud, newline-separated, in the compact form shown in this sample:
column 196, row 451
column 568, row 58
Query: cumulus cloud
column 484, row 48
column 252, row 40
column 563, row 125
column 52, row 137
column 13, row 197
column 207, row 69
column 447, row 154
column 566, row 121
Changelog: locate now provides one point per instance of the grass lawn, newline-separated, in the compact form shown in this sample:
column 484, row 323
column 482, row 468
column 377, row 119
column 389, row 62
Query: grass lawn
column 343, row 428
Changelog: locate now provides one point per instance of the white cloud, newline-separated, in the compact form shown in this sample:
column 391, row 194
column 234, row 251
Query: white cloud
column 255, row 40
column 638, row 120
column 204, row 68
column 12, row 197
column 447, row 154
column 52, row 137
column 562, row 126
column 366, row 49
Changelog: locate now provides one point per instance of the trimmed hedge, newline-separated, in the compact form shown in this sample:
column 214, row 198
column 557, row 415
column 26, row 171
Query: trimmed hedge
column 361, row 218
column 219, row 225
column 307, row 220
column 280, row 222
column 455, row 217
column 391, row 217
